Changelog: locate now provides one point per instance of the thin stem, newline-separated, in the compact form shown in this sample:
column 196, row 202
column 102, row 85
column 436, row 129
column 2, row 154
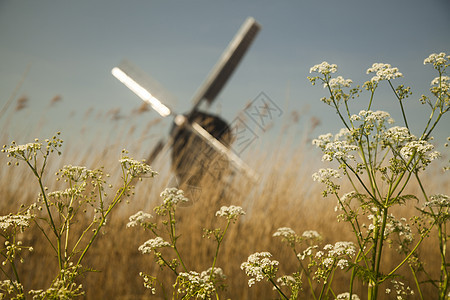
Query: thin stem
column 219, row 241
column 401, row 104
column 416, row 281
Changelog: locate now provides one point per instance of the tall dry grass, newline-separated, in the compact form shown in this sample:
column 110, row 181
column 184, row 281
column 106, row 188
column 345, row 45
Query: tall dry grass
column 285, row 196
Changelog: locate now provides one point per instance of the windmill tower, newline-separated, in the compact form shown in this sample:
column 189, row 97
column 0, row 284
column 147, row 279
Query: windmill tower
column 197, row 131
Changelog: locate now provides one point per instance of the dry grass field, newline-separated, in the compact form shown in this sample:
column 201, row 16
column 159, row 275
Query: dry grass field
column 285, row 196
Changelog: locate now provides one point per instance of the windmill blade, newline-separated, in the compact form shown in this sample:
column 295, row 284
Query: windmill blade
column 227, row 63
column 238, row 163
column 138, row 82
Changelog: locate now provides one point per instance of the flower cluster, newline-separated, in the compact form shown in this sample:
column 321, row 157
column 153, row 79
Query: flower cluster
column 287, row 235
column 15, row 221
column 29, row 151
column 383, row 72
column 173, row 196
column 422, row 149
column 139, row 219
column 338, row 83
column 136, row 168
column 346, row 296
column 438, row 61
column 439, row 201
column 324, row 68
column 230, row 212
column 332, row 256
column 153, row 244
column 259, row 266
column 326, row 176
column 193, row 284
column 401, row 291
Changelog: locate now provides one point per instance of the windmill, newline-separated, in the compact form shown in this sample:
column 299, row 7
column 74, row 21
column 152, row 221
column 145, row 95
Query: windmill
column 197, row 131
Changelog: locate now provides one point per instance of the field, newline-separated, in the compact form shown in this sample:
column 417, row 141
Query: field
column 285, row 196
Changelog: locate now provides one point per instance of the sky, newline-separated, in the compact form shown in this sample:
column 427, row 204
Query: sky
column 70, row 47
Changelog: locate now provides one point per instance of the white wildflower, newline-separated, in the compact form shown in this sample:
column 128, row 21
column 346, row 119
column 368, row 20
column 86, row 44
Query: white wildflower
column 258, row 266
column 437, row 60
column 139, row 218
column 20, row 221
column 285, row 232
column 383, row 72
column 324, row 175
column 338, row 82
column 324, row 68
column 153, row 244
column 346, row 296
column 230, row 212
column 136, row 168
column 173, row 196
column 311, row 234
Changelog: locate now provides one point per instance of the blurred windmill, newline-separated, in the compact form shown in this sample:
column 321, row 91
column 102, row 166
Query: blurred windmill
column 196, row 137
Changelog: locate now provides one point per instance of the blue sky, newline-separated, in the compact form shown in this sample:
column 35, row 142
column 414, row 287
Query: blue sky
column 71, row 47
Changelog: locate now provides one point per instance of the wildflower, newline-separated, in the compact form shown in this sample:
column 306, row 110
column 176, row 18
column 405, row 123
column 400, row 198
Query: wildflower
column 397, row 135
column 311, row 234
column 324, row 68
column 153, row 244
column 173, row 196
column 443, row 82
column 139, row 218
column 322, row 140
column 258, row 266
column 307, row 252
column 323, row 175
column 383, row 72
column 20, row 221
column 437, row 60
column 338, row 82
column 422, row 149
column 136, row 168
column 339, row 150
column 346, row 296
column 285, row 232
column 287, row 235
column 149, row 282
column 439, row 201
column 230, row 212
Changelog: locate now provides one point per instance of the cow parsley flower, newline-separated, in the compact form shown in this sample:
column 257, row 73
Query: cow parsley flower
column 311, row 235
column 173, row 196
column 439, row 201
column 338, row 83
column 230, row 212
column 437, row 60
column 285, row 232
column 258, row 266
column 346, row 296
column 324, row 175
column 324, row 68
column 140, row 218
column 153, row 244
column 136, row 168
column 383, row 72
column 16, row 221
column 422, row 149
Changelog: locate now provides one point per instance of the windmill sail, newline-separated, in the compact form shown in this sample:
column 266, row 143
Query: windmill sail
column 227, row 63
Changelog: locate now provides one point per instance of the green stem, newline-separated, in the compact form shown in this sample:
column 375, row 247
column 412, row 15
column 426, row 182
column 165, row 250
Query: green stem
column 278, row 288
column 219, row 241
column 379, row 252
column 416, row 281
column 401, row 104
column 444, row 278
